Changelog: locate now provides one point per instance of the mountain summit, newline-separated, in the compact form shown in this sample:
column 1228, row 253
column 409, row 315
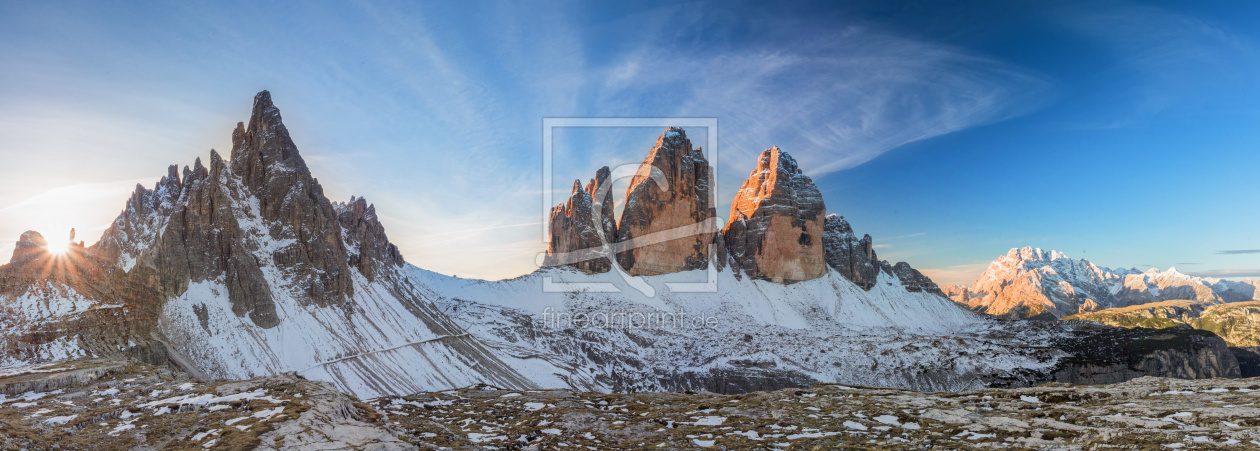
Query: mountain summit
column 1032, row 283
column 776, row 223
column 244, row 268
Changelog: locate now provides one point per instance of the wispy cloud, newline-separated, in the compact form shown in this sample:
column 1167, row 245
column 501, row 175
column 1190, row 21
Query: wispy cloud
column 1238, row 251
column 433, row 114
column 1174, row 61
column 836, row 98
column 1227, row 273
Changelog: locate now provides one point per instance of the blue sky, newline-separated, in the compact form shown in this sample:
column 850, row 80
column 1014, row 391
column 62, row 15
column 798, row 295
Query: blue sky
column 1125, row 133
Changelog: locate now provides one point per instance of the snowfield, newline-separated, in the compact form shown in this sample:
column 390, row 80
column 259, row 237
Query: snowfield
column 826, row 330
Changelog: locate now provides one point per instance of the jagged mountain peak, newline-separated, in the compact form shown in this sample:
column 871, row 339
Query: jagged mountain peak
column 263, row 153
column 672, row 136
column 1031, row 283
column 776, row 222
column 1034, row 254
column 686, row 199
column 264, row 200
column 777, row 186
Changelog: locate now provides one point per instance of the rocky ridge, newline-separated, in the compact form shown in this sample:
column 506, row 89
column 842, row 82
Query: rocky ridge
column 1236, row 322
column 1031, row 283
column 778, row 231
column 856, row 260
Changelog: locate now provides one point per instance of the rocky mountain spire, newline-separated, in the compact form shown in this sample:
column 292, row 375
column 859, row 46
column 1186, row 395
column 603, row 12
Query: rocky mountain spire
column 292, row 202
column 604, row 204
column 576, row 228
column 669, row 228
column 776, row 223
column 232, row 220
column 575, row 237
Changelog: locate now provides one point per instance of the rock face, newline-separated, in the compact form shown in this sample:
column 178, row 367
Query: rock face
column 1031, row 283
column 913, row 280
column 1107, row 355
column 370, row 250
column 575, row 236
column 776, row 223
column 853, row 258
column 600, row 190
column 668, row 227
column 30, row 245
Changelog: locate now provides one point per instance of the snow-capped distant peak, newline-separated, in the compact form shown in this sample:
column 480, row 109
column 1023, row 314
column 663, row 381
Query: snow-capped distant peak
column 1029, row 282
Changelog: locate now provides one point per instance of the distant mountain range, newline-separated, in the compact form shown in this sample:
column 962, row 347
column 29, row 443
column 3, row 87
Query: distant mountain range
column 242, row 267
column 1029, row 283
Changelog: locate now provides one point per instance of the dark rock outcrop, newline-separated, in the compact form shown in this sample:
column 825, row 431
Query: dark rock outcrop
column 853, row 258
column 730, row 380
column 776, row 223
column 1106, row 355
column 600, row 190
column 369, row 249
column 669, row 219
column 913, row 280
column 1248, row 360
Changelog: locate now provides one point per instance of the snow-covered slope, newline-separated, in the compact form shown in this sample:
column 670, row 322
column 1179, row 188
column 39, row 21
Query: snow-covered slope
column 748, row 334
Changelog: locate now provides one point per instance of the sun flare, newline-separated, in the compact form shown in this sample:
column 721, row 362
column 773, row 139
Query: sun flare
column 57, row 248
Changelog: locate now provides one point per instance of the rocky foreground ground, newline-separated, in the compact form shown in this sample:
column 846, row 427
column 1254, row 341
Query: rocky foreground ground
column 110, row 404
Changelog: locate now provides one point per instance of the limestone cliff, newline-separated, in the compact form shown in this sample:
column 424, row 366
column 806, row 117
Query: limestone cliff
column 776, row 222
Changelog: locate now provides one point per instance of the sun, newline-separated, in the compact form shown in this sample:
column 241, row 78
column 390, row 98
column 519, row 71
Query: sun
column 57, row 247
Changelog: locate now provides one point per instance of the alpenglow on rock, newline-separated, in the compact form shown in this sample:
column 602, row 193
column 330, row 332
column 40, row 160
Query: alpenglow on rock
column 576, row 239
column 776, row 223
column 668, row 228
column 1032, row 283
